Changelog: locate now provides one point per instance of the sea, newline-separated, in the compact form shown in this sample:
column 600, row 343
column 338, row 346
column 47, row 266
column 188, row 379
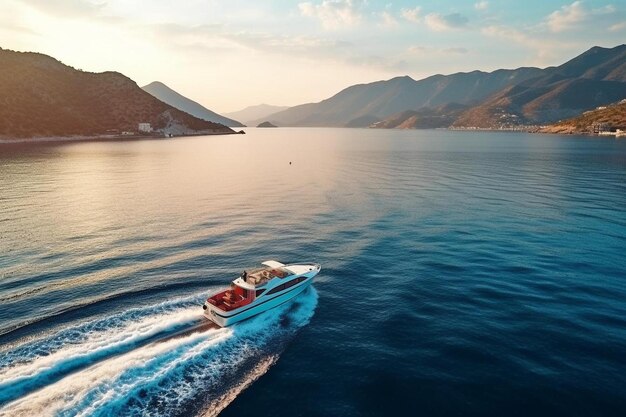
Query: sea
column 463, row 274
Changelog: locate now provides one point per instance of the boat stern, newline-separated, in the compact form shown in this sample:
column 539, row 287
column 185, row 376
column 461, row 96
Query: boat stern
column 211, row 313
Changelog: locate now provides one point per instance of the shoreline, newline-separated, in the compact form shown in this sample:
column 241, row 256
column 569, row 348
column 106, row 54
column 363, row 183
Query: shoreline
column 100, row 138
column 120, row 138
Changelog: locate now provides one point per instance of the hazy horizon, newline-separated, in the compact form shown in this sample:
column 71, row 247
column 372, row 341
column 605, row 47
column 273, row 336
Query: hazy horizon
column 231, row 55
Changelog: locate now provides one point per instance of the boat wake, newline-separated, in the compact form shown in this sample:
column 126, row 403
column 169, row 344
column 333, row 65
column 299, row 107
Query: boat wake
column 154, row 360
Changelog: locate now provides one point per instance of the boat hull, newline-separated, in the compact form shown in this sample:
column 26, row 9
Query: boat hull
column 224, row 319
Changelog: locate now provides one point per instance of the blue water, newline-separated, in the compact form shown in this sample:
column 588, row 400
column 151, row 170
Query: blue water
column 464, row 273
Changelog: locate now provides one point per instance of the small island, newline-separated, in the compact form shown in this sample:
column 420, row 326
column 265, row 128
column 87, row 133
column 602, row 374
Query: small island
column 266, row 124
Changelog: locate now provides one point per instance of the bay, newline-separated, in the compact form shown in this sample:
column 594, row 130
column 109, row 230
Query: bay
column 467, row 273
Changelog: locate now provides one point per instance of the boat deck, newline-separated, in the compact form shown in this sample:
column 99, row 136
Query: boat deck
column 229, row 300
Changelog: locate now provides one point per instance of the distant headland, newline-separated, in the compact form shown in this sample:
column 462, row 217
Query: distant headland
column 266, row 124
column 48, row 100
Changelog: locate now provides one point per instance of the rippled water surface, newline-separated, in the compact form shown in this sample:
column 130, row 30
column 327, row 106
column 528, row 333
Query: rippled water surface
column 464, row 273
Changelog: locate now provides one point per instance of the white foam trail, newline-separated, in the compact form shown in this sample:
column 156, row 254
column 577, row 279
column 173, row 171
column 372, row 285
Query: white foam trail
column 92, row 387
column 167, row 378
column 39, row 362
column 214, row 407
column 95, row 347
column 27, row 350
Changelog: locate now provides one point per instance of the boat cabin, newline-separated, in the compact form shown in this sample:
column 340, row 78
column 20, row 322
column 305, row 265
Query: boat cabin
column 260, row 276
column 248, row 286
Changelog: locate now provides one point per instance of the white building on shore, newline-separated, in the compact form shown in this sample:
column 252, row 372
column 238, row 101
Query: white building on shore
column 145, row 127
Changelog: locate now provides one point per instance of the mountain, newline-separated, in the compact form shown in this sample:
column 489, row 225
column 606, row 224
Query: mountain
column 363, row 121
column 425, row 118
column 40, row 96
column 612, row 116
column 592, row 79
column 500, row 98
column 597, row 63
column 255, row 113
column 383, row 98
column 174, row 99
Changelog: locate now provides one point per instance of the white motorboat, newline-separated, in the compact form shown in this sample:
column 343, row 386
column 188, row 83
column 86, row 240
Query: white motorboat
column 259, row 290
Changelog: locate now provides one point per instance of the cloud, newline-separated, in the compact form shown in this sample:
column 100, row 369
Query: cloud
column 212, row 37
column 573, row 15
column 7, row 23
column 67, row 8
column 218, row 38
column 290, row 45
column 618, row 26
column 506, row 33
column 333, row 14
column 514, row 35
column 567, row 17
column 481, row 5
column 545, row 48
column 608, row 9
column 418, row 49
column 430, row 50
column 412, row 15
column 388, row 20
column 455, row 50
column 440, row 23
column 379, row 62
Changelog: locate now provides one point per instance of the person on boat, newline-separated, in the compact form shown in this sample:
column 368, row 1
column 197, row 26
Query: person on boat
column 244, row 276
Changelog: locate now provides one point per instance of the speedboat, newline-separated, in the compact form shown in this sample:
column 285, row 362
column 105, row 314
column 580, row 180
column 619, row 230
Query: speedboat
column 259, row 290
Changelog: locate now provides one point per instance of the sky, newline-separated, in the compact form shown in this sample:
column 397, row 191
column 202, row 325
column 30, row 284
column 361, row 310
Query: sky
column 229, row 54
